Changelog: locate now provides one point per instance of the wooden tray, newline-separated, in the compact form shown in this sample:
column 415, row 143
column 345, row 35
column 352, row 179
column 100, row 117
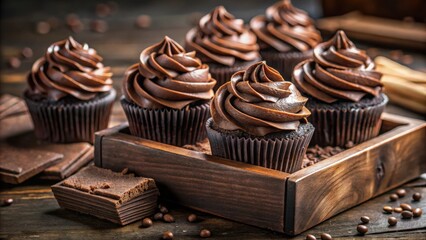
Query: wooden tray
column 287, row 203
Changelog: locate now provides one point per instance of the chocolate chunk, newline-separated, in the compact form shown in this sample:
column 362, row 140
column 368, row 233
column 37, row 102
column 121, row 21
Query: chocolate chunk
column 406, row 214
column 392, row 221
column 205, row 233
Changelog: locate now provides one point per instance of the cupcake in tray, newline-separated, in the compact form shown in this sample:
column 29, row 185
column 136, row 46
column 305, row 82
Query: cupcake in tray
column 345, row 92
column 224, row 43
column 259, row 118
column 167, row 95
column 70, row 93
column 286, row 36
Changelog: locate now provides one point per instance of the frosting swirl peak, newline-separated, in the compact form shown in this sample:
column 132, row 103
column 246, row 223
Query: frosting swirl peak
column 285, row 28
column 339, row 71
column 69, row 68
column 221, row 38
column 258, row 101
column 167, row 77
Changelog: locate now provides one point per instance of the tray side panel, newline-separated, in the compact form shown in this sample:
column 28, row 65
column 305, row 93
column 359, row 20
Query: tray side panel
column 355, row 176
column 239, row 192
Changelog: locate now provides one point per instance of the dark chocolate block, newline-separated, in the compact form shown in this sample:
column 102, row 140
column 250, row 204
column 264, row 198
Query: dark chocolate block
column 117, row 197
column 17, row 164
column 14, row 116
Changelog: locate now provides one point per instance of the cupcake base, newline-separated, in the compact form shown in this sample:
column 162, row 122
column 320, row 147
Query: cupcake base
column 170, row 126
column 339, row 123
column 285, row 62
column 281, row 151
column 69, row 120
column 223, row 74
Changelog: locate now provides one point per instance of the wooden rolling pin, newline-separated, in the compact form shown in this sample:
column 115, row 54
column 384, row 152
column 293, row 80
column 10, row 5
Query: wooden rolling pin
column 403, row 85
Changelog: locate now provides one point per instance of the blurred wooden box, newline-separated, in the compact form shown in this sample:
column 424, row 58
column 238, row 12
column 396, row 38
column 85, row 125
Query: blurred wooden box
column 287, row 203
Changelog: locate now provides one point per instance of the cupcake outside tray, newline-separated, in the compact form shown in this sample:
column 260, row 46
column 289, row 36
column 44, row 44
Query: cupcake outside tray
column 268, row 198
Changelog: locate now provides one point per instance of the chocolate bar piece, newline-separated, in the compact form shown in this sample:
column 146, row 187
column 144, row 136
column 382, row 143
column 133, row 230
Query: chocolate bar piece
column 17, row 164
column 14, row 116
column 117, row 197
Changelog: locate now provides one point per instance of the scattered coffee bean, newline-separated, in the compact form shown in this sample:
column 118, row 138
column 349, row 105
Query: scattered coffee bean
column 406, row 214
column 408, row 19
column 396, row 54
column 27, row 52
column 393, row 197
column 372, row 52
column 398, row 210
column 392, row 221
column 143, row 21
column 102, row 10
column 417, row 196
column 205, row 233
column 7, row 202
column 99, row 26
column 167, row 235
column 146, row 222
column 401, row 192
column 158, row 216
column 74, row 22
column 406, row 206
column 164, row 209
column 192, row 218
column 53, row 22
column 14, row 62
column 365, row 219
column 43, row 27
column 310, row 237
column 326, row 236
column 387, row 209
column 362, row 229
column 417, row 212
column 168, row 218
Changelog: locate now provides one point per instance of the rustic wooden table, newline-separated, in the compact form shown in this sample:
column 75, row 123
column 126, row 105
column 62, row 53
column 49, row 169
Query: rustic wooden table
column 35, row 213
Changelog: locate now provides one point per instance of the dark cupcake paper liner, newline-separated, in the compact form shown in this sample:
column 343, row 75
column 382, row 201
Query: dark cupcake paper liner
column 70, row 122
column 170, row 126
column 223, row 74
column 285, row 62
column 283, row 154
column 337, row 127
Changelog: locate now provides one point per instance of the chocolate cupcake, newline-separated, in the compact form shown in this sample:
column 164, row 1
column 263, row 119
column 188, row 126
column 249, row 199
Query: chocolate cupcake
column 260, row 119
column 70, row 93
column 345, row 92
column 224, row 43
column 167, row 95
column 286, row 36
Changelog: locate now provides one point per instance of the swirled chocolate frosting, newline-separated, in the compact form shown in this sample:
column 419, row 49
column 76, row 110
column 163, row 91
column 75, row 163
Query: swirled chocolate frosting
column 221, row 38
column 339, row 71
column 285, row 28
column 69, row 69
column 167, row 77
column 258, row 101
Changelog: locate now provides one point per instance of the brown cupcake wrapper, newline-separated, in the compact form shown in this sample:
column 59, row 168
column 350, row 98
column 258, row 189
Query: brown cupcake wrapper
column 285, row 155
column 337, row 127
column 70, row 122
column 285, row 62
column 223, row 74
column 170, row 126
